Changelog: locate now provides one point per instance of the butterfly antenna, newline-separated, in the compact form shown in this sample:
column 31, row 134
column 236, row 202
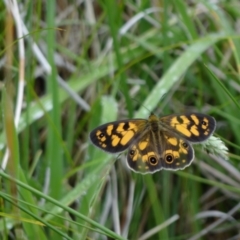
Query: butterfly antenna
column 143, row 106
column 163, row 96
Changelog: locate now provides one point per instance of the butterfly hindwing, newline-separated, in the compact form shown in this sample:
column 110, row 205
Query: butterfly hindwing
column 169, row 153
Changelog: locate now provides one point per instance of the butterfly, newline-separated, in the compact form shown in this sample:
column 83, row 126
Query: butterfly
column 155, row 143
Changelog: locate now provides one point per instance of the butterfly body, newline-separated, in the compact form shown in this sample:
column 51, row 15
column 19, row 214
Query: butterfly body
column 155, row 143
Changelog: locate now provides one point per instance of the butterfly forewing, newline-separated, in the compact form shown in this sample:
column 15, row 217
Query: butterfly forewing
column 194, row 127
column 117, row 136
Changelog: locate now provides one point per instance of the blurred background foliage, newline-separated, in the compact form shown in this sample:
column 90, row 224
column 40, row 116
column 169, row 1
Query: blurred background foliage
column 89, row 62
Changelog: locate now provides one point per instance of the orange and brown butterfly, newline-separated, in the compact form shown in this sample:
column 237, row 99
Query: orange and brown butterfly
column 155, row 143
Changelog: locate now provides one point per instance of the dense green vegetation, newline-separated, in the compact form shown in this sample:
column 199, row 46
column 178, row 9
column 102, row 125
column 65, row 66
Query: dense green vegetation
column 104, row 61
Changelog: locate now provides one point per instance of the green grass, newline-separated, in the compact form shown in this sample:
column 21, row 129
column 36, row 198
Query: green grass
column 117, row 63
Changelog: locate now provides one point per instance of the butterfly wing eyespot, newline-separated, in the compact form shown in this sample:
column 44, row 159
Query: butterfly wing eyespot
column 185, row 145
column 204, row 123
column 132, row 152
column 101, row 135
column 117, row 136
column 169, row 158
column 153, row 160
